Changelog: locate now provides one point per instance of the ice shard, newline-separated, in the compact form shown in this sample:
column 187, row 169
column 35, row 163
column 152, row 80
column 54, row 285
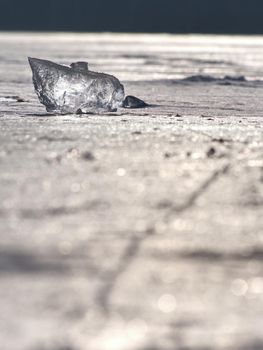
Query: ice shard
column 133, row 102
column 75, row 89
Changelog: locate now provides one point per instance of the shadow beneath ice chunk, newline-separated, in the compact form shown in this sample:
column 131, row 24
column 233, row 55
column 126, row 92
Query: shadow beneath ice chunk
column 41, row 115
column 79, row 114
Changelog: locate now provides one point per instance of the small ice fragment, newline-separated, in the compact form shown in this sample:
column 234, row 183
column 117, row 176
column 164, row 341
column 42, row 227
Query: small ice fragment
column 64, row 89
column 133, row 102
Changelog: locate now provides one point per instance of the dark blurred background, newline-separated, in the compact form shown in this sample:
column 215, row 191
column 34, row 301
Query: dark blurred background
column 174, row 16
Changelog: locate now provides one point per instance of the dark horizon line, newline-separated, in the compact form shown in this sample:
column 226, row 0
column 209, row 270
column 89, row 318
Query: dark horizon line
column 128, row 32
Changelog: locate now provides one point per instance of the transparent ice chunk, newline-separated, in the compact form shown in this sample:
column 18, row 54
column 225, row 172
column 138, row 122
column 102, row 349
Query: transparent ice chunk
column 75, row 89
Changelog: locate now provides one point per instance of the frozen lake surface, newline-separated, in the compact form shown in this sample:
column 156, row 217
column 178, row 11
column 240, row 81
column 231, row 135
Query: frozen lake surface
column 140, row 229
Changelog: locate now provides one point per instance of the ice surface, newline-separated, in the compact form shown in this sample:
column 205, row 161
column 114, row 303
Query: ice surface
column 75, row 89
column 182, row 226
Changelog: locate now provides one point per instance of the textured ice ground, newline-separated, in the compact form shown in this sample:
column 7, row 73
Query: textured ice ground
column 140, row 229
